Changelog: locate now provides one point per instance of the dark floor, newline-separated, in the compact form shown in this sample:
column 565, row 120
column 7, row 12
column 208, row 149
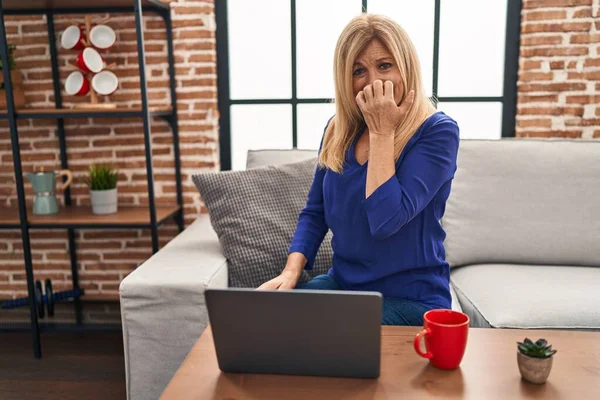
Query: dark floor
column 84, row 365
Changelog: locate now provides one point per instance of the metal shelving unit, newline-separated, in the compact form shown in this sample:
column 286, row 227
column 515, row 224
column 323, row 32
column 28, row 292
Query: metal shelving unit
column 71, row 217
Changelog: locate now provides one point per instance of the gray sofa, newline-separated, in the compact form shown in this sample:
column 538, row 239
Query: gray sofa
column 523, row 240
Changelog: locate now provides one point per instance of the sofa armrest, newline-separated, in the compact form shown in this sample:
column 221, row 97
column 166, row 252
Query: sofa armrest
column 163, row 310
column 455, row 303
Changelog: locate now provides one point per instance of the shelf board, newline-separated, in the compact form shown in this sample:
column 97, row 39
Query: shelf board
column 78, row 4
column 119, row 112
column 25, row 326
column 82, row 217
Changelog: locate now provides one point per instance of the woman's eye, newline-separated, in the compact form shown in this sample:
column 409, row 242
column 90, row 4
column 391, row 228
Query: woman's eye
column 357, row 71
column 385, row 66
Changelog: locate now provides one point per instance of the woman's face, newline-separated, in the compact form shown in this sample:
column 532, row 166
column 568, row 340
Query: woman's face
column 376, row 62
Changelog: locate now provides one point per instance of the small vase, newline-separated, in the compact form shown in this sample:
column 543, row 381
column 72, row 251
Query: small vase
column 104, row 201
column 534, row 370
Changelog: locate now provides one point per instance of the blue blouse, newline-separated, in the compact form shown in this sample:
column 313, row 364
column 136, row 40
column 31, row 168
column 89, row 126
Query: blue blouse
column 392, row 241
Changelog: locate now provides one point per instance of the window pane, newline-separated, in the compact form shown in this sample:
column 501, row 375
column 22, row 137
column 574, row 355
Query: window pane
column 318, row 26
column 476, row 120
column 417, row 18
column 472, row 47
column 259, row 127
column 260, row 49
column 312, row 119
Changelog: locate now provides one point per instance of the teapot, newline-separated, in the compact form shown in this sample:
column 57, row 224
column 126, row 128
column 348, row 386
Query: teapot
column 44, row 186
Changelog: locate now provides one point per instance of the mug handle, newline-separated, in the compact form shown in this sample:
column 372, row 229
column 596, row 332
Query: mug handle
column 69, row 175
column 424, row 332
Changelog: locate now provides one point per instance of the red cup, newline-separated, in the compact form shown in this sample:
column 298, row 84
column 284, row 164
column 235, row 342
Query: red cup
column 89, row 60
column 72, row 38
column 76, row 84
column 102, row 37
column 105, row 83
column 445, row 333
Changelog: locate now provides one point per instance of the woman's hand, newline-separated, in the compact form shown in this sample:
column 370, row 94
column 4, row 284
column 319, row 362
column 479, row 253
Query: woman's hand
column 287, row 280
column 381, row 114
column 290, row 275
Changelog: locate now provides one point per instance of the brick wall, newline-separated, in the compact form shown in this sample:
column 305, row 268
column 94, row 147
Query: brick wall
column 106, row 257
column 559, row 77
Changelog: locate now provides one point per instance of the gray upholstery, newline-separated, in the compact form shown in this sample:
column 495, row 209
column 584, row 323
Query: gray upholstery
column 455, row 303
column 526, row 202
column 260, row 158
column 162, row 307
column 529, row 296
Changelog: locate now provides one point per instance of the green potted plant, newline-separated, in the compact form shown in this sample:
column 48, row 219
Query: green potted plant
column 16, row 78
column 535, row 360
column 102, row 181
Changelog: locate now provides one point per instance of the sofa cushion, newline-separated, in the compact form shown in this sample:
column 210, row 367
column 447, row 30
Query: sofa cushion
column 524, row 201
column 255, row 213
column 529, row 296
column 261, row 158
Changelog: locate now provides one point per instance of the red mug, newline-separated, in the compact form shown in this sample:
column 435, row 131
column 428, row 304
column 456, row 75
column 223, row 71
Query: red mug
column 76, row 84
column 89, row 60
column 445, row 333
column 73, row 38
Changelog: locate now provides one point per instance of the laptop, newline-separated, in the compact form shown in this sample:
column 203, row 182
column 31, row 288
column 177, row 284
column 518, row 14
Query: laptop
column 296, row 332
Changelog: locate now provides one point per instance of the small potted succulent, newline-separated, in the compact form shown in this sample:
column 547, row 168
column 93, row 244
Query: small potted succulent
column 535, row 360
column 16, row 78
column 102, row 181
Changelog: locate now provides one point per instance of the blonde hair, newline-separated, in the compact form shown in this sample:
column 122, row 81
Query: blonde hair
column 348, row 119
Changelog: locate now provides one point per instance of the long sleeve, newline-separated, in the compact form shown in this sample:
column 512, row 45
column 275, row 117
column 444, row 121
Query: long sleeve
column 426, row 167
column 312, row 228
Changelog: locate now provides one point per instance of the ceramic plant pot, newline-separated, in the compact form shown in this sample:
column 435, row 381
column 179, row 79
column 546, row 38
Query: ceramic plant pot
column 534, row 370
column 104, row 201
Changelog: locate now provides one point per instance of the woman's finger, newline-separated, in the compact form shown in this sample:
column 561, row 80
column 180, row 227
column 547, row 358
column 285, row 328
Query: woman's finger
column 378, row 89
column 286, row 285
column 272, row 284
column 408, row 101
column 388, row 90
column 360, row 100
column 368, row 91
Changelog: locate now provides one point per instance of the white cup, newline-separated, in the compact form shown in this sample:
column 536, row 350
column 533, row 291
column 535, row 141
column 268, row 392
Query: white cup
column 105, row 83
column 102, row 37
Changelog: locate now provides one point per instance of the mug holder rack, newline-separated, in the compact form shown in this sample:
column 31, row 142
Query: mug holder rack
column 94, row 104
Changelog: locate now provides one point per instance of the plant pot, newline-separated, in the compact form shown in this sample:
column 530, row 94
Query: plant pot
column 18, row 93
column 534, row 370
column 16, row 78
column 18, row 98
column 104, row 201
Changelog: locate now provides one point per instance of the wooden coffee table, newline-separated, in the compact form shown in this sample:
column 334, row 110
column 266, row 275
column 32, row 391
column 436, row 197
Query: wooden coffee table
column 488, row 371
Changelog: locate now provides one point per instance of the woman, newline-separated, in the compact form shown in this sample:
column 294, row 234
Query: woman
column 386, row 164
